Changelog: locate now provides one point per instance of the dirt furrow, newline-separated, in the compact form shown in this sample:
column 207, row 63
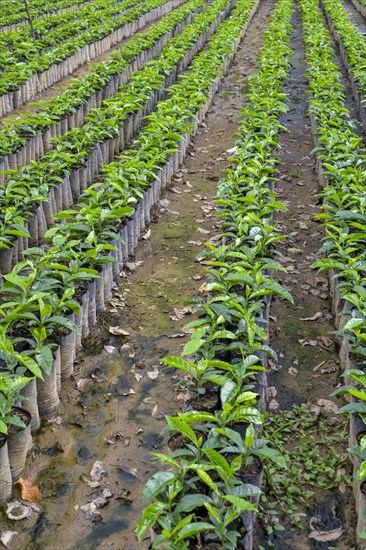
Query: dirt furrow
column 113, row 409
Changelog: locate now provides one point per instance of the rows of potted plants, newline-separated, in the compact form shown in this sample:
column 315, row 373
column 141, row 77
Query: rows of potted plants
column 51, row 298
column 21, row 46
column 25, row 80
column 58, row 178
column 210, row 477
column 341, row 163
column 14, row 12
column 353, row 49
column 69, row 108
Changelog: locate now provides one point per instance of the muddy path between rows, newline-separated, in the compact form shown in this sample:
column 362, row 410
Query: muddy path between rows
column 307, row 370
column 113, row 408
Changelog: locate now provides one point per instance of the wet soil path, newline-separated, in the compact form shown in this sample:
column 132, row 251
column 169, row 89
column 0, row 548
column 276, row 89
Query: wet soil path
column 113, row 409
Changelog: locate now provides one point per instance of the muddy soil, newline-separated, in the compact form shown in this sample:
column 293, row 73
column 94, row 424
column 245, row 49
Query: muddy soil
column 308, row 367
column 113, row 408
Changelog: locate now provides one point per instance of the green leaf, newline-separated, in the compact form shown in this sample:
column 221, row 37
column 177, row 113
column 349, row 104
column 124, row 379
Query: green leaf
column 192, row 346
column 178, row 424
column 240, row 503
column 220, row 461
column 149, row 518
column 182, row 364
column 226, row 391
column 64, row 322
column 155, row 485
column 194, row 528
column 31, row 365
column 189, row 502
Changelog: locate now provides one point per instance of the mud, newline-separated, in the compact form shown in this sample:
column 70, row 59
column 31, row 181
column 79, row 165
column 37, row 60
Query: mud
column 308, row 367
column 123, row 393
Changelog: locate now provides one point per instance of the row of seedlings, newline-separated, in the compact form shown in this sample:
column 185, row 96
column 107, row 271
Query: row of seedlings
column 341, row 167
column 52, row 297
column 212, row 475
column 22, row 83
column 352, row 47
column 14, row 13
column 38, row 191
column 22, row 44
column 29, row 136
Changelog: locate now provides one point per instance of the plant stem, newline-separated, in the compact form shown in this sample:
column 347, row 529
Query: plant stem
column 29, row 19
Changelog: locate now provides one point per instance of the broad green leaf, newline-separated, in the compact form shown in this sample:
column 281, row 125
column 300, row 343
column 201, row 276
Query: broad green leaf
column 155, row 485
column 192, row 346
column 149, row 518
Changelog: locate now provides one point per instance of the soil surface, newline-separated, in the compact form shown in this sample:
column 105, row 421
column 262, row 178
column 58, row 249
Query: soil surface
column 113, row 407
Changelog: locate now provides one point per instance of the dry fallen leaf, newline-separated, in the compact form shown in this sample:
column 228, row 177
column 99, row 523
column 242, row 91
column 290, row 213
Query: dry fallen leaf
column 110, row 349
column 129, row 349
column 319, row 365
column 180, row 313
column 147, row 234
column 293, row 371
column 6, row 538
column 197, row 243
column 130, row 470
column 154, row 411
column 112, row 438
column 28, row 491
column 138, row 376
column 273, row 405
column 313, row 318
column 326, row 340
column 153, row 374
column 55, row 420
column 97, row 472
column 327, row 405
column 118, row 331
column 326, row 536
column 93, row 484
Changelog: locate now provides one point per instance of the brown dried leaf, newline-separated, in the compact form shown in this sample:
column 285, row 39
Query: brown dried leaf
column 110, row 349
column 6, row 538
column 129, row 349
column 319, row 365
column 118, row 331
column 327, row 405
column 313, row 318
column 28, row 491
column 326, row 536
column 327, row 341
